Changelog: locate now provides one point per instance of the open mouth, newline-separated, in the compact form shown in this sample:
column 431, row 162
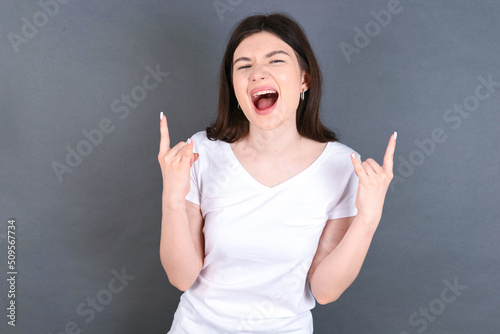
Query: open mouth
column 264, row 99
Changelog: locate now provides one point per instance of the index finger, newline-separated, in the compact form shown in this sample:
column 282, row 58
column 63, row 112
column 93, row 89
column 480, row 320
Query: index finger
column 165, row 137
column 389, row 153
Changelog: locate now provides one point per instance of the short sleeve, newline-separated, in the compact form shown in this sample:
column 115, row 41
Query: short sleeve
column 194, row 189
column 346, row 206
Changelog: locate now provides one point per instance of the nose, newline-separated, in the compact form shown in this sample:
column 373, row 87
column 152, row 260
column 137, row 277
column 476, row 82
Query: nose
column 258, row 73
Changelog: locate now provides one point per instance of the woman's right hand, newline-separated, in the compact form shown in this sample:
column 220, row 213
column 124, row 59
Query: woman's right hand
column 175, row 164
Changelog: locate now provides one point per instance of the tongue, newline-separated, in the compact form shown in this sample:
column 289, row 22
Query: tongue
column 265, row 102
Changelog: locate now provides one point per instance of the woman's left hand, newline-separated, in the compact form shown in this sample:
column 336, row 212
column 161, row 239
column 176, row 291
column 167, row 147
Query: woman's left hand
column 374, row 181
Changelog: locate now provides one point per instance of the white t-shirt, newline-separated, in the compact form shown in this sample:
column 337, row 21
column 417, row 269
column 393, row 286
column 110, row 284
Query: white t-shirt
column 260, row 241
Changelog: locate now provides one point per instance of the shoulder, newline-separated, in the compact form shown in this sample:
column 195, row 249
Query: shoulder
column 338, row 155
column 200, row 136
column 202, row 143
column 339, row 149
column 200, row 140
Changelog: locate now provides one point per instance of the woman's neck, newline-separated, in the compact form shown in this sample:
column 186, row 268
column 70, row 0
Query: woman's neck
column 273, row 142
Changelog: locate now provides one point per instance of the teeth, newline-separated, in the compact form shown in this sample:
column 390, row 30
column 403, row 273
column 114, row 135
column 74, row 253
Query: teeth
column 262, row 92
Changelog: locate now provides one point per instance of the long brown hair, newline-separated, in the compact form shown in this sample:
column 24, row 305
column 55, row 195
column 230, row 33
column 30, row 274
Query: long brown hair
column 231, row 124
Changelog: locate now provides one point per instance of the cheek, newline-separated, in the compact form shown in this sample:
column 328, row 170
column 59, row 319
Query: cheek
column 239, row 90
column 291, row 94
column 240, row 80
column 290, row 84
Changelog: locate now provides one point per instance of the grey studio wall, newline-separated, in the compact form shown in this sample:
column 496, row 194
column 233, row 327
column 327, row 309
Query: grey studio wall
column 82, row 84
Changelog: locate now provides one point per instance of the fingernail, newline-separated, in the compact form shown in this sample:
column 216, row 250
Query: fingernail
column 161, row 115
column 395, row 135
column 188, row 141
column 353, row 155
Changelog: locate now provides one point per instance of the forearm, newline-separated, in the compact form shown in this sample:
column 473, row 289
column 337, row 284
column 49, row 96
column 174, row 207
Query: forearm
column 336, row 272
column 180, row 258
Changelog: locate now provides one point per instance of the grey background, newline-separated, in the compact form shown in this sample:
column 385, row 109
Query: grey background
column 441, row 219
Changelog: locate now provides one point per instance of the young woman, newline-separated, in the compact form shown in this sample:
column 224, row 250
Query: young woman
column 271, row 212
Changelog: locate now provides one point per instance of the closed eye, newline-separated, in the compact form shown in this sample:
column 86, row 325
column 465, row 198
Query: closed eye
column 272, row 62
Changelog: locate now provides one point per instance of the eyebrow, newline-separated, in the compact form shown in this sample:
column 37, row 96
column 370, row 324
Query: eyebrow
column 269, row 55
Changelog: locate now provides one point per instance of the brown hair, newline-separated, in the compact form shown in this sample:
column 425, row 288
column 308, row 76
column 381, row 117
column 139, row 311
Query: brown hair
column 231, row 124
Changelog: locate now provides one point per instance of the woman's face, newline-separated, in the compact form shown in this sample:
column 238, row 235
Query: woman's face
column 267, row 81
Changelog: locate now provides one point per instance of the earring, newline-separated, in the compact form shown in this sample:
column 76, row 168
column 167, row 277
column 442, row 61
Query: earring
column 239, row 106
column 302, row 95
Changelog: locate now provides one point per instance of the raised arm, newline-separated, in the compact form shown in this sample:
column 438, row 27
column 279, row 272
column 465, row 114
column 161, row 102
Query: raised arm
column 345, row 242
column 182, row 241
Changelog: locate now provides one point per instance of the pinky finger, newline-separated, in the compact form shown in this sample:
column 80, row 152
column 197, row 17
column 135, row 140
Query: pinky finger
column 358, row 168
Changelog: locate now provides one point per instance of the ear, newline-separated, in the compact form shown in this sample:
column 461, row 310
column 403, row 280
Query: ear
column 306, row 80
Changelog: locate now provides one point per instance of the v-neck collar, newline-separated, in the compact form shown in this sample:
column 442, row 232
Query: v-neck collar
column 251, row 180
